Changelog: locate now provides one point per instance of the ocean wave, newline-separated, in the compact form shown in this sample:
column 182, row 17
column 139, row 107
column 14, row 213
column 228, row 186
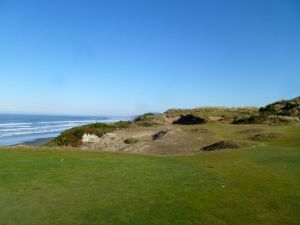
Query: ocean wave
column 13, row 124
column 31, row 132
column 38, row 128
column 83, row 121
column 44, row 127
column 71, row 121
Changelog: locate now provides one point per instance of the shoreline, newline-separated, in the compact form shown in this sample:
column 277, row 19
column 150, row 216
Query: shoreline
column 37, row 142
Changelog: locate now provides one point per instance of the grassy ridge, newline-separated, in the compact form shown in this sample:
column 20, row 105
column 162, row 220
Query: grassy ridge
column 253, row 186
column 215, row 111
column 289, row 108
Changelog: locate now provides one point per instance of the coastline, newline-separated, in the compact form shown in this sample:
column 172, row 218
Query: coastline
column 37, row 142
column 23, row 129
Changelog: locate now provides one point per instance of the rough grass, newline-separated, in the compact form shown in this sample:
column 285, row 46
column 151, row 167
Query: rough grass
column 215, row 111
column 232, row 187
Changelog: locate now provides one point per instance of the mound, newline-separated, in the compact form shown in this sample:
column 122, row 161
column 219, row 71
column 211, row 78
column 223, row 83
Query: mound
column 189, row 119
column 224, row 145
column 159, row 135
column 264, row 136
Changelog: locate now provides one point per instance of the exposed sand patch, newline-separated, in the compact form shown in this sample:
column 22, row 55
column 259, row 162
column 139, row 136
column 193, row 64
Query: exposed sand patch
column 90, row 138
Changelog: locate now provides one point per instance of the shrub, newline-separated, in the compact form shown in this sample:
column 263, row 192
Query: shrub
column 73, row 136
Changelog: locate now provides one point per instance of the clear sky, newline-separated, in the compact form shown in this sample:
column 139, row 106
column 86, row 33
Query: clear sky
column 127, row 57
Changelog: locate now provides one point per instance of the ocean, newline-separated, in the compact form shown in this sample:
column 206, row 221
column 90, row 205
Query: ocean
column 18, row 129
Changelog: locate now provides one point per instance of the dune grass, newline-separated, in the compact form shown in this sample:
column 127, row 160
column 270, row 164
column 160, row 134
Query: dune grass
column 250, row 186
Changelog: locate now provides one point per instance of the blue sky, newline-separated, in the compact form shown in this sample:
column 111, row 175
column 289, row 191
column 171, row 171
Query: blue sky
column 128, row 57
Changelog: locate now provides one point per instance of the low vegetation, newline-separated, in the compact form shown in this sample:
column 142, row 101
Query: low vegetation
column 73, row 136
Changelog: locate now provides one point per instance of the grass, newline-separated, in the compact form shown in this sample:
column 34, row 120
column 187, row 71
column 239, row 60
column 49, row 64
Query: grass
column 251, row 186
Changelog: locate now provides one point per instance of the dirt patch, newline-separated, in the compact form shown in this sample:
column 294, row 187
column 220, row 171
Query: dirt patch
column 190, row 119
column 225, row 145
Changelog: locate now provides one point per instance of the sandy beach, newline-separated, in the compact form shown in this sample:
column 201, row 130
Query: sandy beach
column 37, row 142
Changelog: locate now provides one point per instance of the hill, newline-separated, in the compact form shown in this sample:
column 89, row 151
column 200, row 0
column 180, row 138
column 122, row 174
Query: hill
column 183, row 131
column 283, row 108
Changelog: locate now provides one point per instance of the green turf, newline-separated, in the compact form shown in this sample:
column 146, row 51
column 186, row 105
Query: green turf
column 250, row 186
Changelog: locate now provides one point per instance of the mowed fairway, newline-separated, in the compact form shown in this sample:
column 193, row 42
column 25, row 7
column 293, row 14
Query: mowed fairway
column 259, row 185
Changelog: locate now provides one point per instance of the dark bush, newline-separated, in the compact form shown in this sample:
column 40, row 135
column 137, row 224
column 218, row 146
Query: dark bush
column 246, row 120
column 130, row 141
column 189, row 119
